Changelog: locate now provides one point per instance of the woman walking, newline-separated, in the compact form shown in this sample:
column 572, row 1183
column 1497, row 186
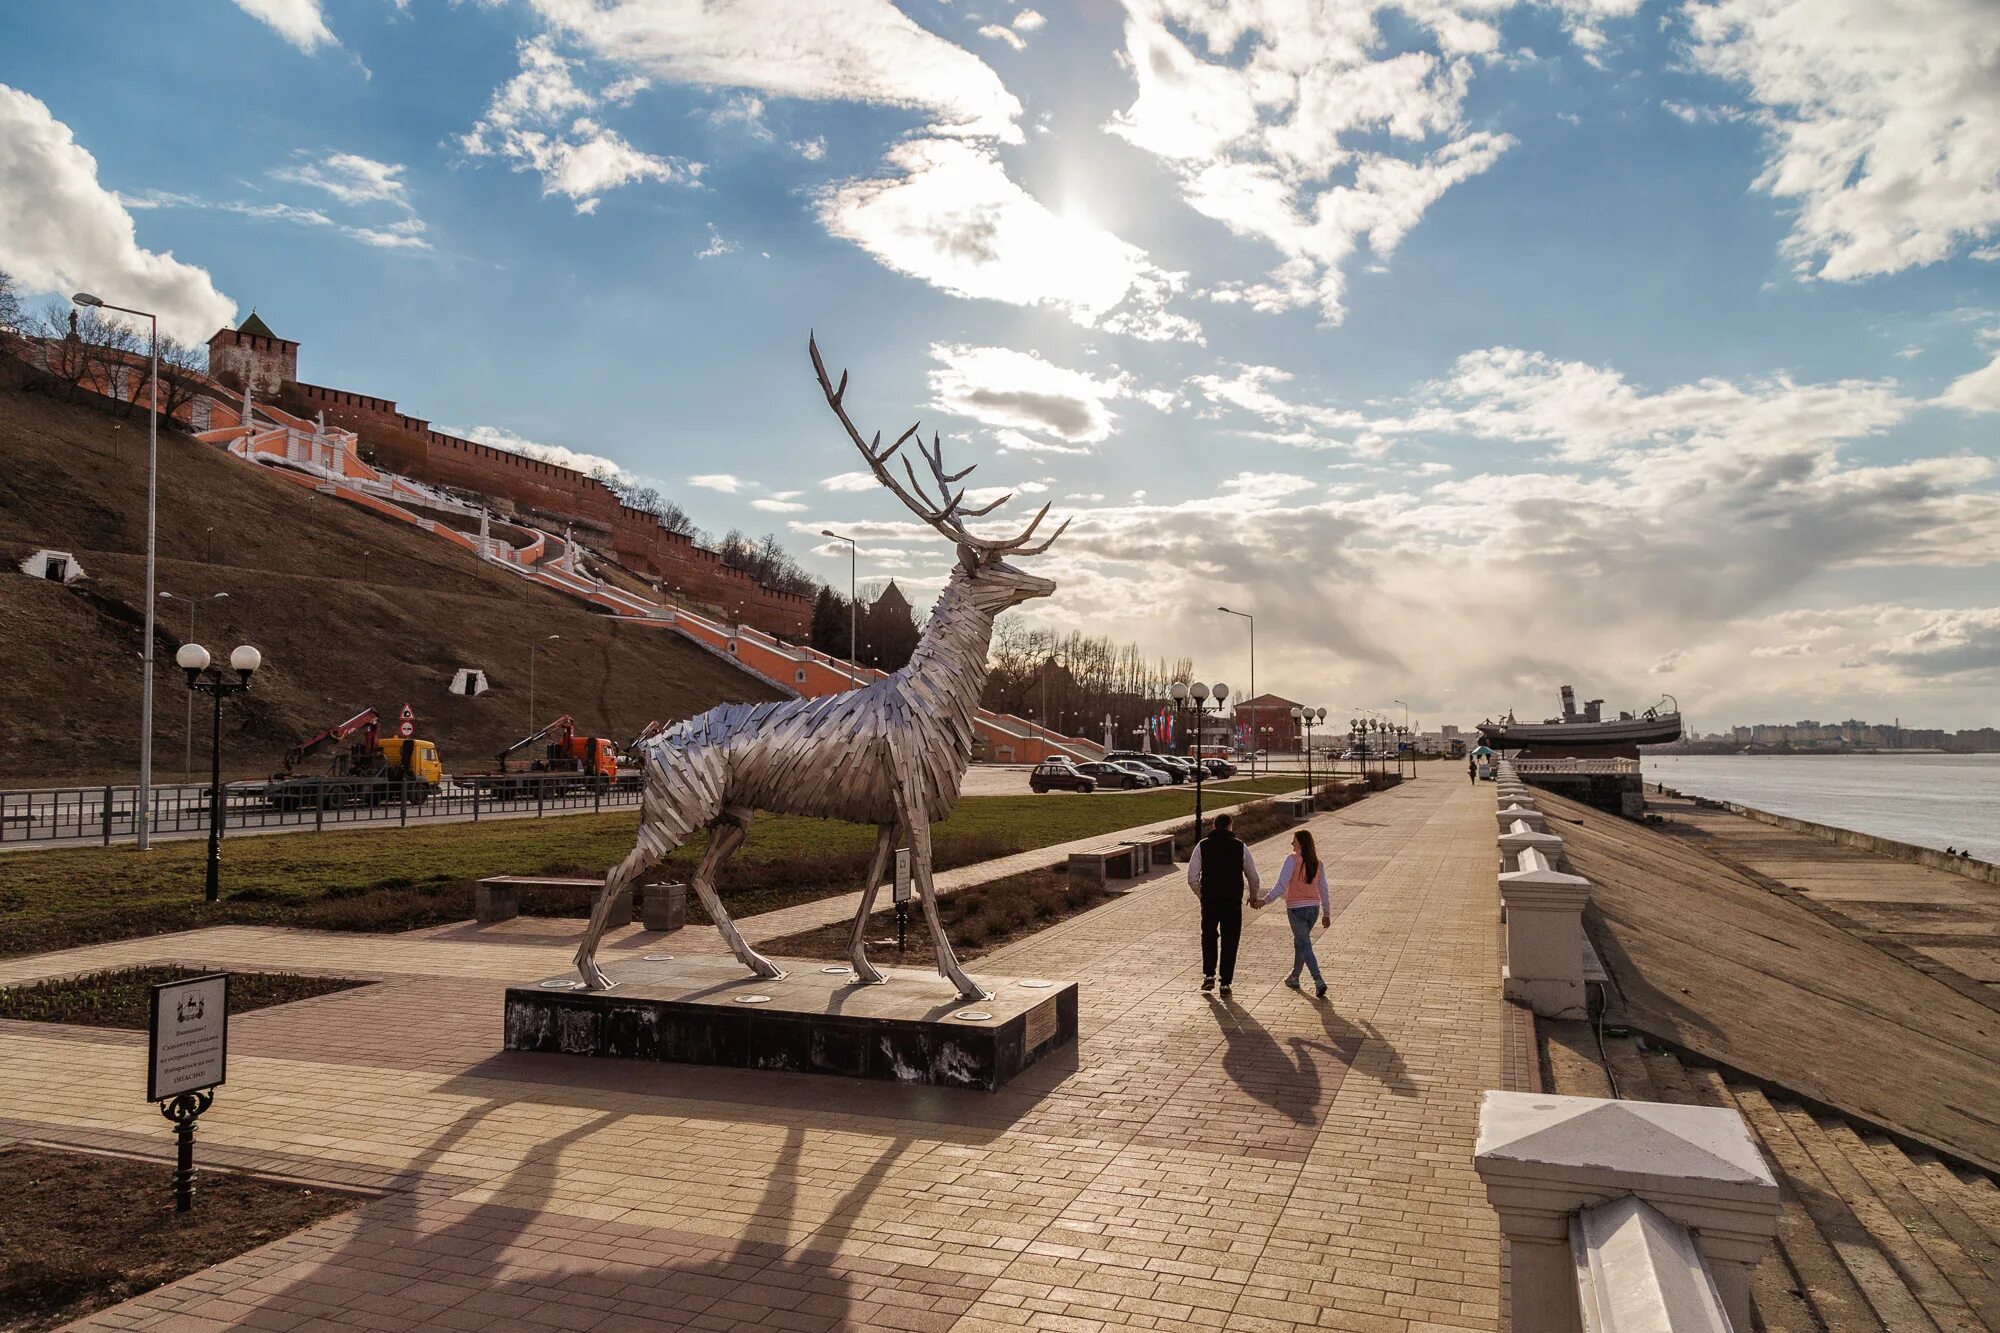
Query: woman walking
column 1302, row 881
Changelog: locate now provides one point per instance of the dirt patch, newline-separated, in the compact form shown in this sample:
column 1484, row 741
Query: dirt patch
column 81, row 1232
column 977, row 920
column 120, row 999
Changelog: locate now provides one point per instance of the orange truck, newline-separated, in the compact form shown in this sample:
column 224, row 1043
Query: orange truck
column 565, row 763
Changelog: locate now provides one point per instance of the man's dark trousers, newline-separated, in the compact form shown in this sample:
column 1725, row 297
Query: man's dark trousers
column 1221, row 923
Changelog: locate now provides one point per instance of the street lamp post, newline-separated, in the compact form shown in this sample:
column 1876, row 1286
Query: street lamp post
column 532, row 648
column 194, row 603
column 1308, row 718
column 1253, row 680
column 1194, row 698
column 853, row 606
column 142, row 815
column 204, row 678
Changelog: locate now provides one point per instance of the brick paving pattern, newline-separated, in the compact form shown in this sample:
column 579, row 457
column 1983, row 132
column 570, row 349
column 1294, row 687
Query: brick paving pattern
column 1262, row 1163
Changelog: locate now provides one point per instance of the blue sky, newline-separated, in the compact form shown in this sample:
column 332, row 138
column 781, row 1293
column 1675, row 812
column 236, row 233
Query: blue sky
column 1476, row 345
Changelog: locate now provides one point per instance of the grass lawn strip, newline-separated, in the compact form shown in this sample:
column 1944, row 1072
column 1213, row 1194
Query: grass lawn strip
column 977, row 920
column 82, row 1231
column 396, row 879
column 120, row 999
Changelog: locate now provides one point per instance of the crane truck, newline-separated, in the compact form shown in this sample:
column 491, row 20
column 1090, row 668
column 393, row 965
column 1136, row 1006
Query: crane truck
column 364, row 767
column 568, row 763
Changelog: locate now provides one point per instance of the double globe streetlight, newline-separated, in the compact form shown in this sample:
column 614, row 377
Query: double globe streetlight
column 1308, row 718
column 1197, row 698
column 204, row 677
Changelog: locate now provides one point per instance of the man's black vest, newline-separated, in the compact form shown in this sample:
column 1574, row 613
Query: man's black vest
column 1222, row 868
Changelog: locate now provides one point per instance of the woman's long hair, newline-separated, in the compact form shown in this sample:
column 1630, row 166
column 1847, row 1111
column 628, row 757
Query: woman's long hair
column 1308, row 855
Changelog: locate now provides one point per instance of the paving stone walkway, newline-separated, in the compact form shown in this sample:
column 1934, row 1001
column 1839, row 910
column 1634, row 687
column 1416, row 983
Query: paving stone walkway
column 1263, row 1163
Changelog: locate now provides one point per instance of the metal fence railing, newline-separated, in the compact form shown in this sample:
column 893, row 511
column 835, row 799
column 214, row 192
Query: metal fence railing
column 108, row 814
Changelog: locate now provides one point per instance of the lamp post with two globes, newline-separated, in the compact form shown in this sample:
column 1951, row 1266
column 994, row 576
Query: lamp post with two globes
column 1308, row 718
column 1195, row 698
column 204, row 677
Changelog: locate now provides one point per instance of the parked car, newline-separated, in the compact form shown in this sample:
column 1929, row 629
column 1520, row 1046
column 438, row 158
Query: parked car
column 1060, row 775
column 1220, row 768
column 1153, row 762
column 1115, row 776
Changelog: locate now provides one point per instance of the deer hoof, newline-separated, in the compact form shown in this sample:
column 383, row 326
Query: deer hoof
column 593, row 975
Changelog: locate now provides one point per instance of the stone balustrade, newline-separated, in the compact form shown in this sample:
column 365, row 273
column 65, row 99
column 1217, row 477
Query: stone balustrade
column 1622, row 1216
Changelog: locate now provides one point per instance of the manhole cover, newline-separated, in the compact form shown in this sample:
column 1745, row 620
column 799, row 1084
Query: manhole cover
column 659, row 958
column 836, row 971
column 973, row 1015
column 1038, row 985
column 753, row 999
column 562, row 985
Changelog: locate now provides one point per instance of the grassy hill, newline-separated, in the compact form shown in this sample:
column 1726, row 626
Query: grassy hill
column 335, row 639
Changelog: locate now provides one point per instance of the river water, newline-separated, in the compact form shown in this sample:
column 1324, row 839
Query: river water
column 1932, row 800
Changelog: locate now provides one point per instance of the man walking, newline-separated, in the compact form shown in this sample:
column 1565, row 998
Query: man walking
column 1472, row 771
column 1220, row 872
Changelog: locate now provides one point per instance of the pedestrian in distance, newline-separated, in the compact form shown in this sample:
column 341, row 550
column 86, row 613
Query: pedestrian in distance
column 1221, row 872
column 1302, row 884
column 1472, row 771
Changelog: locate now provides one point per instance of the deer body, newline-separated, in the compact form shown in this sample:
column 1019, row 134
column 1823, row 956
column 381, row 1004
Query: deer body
column 892, row 753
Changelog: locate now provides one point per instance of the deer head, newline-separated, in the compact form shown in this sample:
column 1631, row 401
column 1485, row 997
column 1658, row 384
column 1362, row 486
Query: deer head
column 991, row 581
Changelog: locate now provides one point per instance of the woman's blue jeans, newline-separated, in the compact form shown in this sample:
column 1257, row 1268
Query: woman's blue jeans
column 1302, row 919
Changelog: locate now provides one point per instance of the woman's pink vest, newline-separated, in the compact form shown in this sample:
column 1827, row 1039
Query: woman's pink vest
column 1300, row 891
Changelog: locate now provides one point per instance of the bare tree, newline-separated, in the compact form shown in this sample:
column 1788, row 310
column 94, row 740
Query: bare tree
column 11, row 313
column 183, row 367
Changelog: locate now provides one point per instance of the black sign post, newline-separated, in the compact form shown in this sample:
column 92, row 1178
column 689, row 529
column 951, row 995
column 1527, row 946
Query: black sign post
column 187, row 1058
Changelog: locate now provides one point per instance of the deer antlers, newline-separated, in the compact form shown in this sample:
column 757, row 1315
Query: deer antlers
column 947, row 513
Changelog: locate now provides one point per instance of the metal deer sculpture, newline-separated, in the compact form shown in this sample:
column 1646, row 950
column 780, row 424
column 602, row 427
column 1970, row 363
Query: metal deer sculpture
column 892, row 754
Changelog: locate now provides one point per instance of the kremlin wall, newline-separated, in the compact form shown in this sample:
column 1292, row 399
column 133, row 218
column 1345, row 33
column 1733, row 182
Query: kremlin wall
column 548, row 495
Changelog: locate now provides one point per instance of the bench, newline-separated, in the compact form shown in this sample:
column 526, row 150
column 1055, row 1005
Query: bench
column 1297, row 807
column 1148, row 852
column 1098, row 866
column 498, row 897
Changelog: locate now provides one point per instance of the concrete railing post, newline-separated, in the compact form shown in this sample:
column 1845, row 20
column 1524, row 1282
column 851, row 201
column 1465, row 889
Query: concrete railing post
column 1544, row 909
column 1544, row 1159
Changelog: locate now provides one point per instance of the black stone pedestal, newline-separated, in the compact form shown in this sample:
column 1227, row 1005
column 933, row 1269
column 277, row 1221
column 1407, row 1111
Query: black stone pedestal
column 816, row 1019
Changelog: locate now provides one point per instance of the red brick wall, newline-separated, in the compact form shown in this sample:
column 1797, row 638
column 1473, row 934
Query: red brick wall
column 408, row 445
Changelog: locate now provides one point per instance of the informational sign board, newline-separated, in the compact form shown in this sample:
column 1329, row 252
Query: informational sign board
column 189, row 1037
column 187, row 1044
column 902, row 875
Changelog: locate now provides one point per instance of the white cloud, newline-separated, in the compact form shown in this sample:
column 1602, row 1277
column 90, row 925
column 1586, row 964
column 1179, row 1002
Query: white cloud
column 405, row 234
column 62, row 231
column 718, row 481
column 1274, row 126
column 771, row 505
column 297, row 21
column 849, row 481
column 716, row 246
column 1883, row 122
column 745, row 109
column 1019, row 391
column 499, row 437
column 862, row 51
column 1029, row 20
column 950, row 215
column 1977, row 390
column 352, row 179
column 812, row 150
column 993, row 32
column 535, row 121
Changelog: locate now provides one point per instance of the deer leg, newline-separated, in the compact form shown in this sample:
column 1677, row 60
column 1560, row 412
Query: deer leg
column 857, row 943
column 636, row 863
column 920, row 868
column 725, row 835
